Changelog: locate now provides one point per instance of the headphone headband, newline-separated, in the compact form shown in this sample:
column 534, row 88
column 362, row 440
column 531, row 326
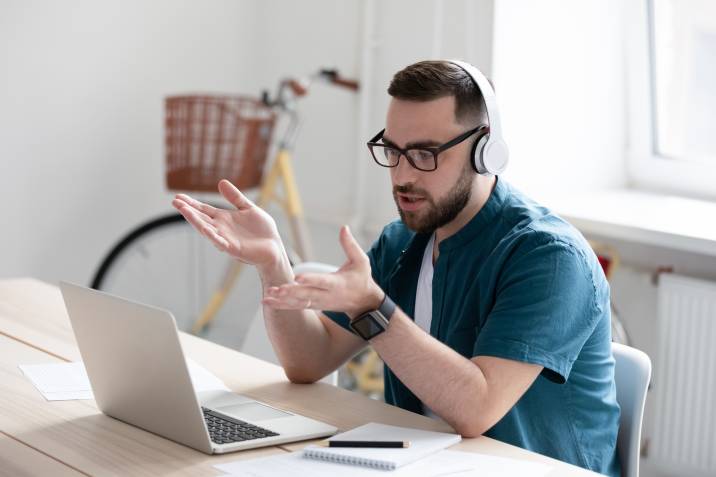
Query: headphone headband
column 488, row 95
column 492, row 154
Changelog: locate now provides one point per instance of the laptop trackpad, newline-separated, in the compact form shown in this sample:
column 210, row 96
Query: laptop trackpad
column 252, row 411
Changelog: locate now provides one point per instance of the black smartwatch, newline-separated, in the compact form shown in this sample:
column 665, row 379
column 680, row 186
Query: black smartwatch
column 372, row 323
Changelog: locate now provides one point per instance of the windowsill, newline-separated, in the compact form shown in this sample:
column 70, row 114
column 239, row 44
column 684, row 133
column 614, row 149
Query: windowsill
column 648, row 218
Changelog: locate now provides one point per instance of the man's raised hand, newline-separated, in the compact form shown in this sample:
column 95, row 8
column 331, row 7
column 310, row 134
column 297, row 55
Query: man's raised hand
column 350, row 289
column 247, row 233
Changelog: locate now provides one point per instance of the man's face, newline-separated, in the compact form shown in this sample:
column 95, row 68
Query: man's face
column 428, row 200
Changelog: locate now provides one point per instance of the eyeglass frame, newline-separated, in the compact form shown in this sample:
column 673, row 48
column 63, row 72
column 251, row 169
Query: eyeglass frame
column 435, row 150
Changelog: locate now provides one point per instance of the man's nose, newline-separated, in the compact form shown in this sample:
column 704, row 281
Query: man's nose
column 403, row 173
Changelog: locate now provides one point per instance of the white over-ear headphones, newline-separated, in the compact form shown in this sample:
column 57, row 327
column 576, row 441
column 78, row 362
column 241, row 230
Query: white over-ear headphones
column 490, row 153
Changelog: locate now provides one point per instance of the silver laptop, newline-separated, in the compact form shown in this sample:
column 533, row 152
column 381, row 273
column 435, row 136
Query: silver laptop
column 139, row 375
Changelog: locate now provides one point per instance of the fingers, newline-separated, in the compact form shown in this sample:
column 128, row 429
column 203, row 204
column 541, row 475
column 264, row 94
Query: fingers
column 289, row 304
column 350, row 246
column 200, row 206
column 292, row 296
column 194, row 217
column 179, row 203
column 323, row 281
column 220, row 242
column 233, row 195
column 203, row 227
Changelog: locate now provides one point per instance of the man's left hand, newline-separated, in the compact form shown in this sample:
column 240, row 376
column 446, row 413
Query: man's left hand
column 351, row 289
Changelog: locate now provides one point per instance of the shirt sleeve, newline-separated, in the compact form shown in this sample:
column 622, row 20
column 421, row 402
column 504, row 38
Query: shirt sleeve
column 546, row 307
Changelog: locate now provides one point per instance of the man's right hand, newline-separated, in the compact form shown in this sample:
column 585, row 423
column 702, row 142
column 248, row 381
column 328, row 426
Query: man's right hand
column 248, row 233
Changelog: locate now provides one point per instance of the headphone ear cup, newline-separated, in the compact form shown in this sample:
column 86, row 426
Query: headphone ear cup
column 478, row 148
column 494, row 156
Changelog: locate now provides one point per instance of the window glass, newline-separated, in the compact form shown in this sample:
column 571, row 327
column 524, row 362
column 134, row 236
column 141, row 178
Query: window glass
column 684, row 78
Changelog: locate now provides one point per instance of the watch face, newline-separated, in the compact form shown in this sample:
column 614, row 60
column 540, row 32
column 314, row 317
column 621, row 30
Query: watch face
column 367, row 326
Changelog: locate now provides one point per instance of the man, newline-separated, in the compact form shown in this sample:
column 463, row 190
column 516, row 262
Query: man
column 502, row 322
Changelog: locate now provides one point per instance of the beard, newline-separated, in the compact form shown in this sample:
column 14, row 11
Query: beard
column 436, row 214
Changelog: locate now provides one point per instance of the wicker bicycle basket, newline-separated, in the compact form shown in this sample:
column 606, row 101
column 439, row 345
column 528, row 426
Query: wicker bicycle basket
column 209, row 138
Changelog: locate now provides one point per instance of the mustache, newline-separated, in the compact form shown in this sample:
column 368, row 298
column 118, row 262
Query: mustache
column 410, row 189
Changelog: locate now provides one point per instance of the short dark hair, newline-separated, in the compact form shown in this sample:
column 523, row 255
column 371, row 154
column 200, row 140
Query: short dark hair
column 428, row 80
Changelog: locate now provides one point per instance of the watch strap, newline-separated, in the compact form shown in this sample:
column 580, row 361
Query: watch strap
column 387, row 307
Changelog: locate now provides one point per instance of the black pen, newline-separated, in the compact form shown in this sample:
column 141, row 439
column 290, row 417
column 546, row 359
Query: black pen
column 379, row 444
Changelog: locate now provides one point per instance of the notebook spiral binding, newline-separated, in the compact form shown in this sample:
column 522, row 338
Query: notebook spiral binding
column 342, row 459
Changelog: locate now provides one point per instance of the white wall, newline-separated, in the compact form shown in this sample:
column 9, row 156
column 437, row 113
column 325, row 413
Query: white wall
column 82, row 102
column 297, row 39
column 559, row 68
column 81, row 116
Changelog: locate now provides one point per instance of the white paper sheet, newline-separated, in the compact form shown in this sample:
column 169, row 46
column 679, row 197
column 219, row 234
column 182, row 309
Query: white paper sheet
column 445, row 463
column 295, row 464
column 59, row 381
column 65, row 381
column 482, row 465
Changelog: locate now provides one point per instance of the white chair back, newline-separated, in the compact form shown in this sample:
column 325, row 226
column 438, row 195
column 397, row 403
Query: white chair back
column 632, row 375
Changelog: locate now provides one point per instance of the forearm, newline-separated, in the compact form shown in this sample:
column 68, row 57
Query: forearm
column 451, row 385
column 300, row 340
column 470, row 394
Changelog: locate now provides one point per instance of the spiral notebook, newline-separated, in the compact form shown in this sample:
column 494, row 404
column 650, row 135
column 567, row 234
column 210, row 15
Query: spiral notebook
column 422, row 444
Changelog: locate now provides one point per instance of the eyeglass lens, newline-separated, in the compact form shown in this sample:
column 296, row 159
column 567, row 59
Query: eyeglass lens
column 419, row 158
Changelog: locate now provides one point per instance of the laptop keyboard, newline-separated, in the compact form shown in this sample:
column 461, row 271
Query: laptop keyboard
column 225, row 430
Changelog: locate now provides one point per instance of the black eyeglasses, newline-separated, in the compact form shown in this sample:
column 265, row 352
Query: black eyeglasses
column 424, row 158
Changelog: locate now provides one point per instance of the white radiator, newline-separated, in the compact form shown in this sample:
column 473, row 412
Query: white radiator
column 684, row 388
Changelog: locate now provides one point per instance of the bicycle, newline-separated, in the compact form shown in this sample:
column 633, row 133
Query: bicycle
column 209, row 138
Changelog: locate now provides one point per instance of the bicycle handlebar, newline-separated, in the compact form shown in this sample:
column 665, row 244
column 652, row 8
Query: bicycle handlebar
column 299, row 88
column 334, row 78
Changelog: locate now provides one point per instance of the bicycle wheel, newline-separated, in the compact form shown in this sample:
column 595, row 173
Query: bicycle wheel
column 166, row 263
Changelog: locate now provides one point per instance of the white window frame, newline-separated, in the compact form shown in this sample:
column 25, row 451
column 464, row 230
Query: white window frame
column 645, row 168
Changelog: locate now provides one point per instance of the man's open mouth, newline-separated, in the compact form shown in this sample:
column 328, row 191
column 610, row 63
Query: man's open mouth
column 410, row 202
column 412, row 199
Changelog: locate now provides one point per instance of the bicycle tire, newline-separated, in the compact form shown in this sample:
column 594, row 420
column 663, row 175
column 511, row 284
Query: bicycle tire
column 164, row 262
column 124, row 242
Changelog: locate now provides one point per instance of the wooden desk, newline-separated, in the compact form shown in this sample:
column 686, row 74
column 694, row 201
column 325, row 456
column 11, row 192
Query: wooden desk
column 19, row 460
column 74, row 438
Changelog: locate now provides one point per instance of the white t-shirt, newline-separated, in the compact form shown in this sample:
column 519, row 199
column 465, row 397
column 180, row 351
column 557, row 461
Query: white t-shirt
column 424, row 293
column 424, row 300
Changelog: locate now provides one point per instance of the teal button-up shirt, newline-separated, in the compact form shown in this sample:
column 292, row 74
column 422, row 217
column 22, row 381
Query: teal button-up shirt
column 518, row 282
